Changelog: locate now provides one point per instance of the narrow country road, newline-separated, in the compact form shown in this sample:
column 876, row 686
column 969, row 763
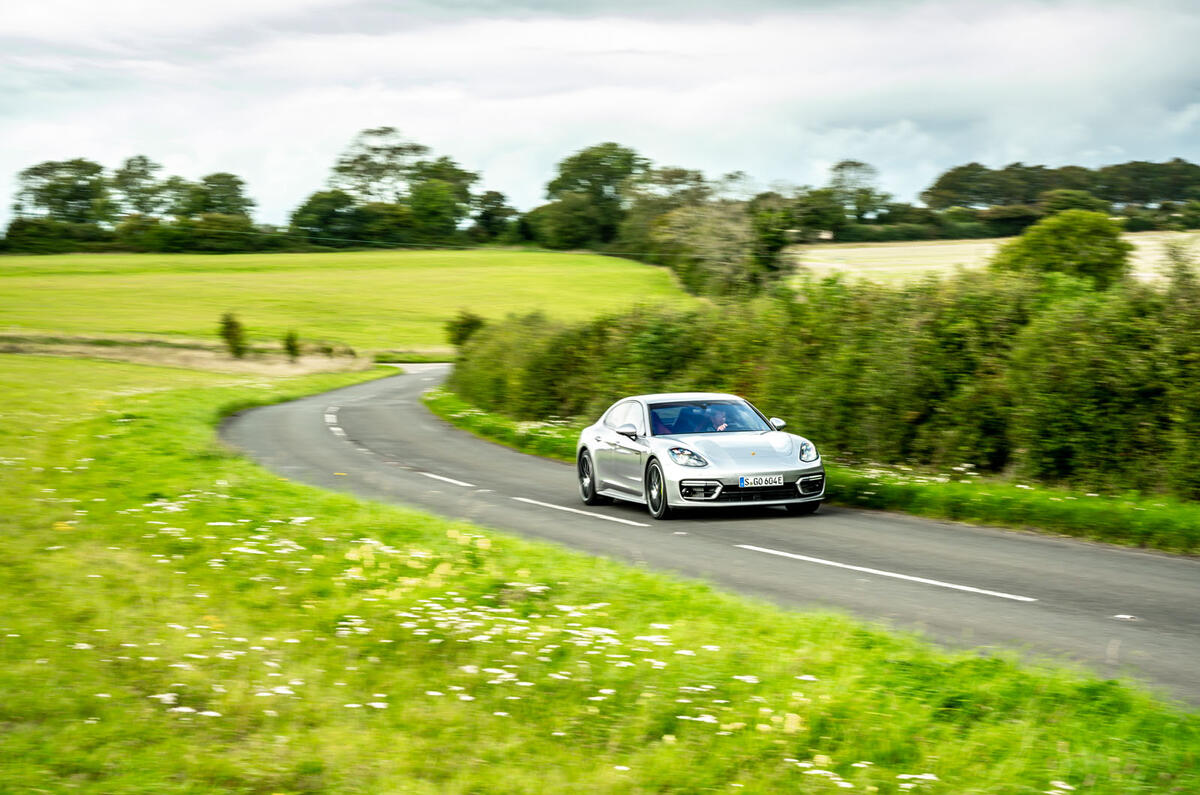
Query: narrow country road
column 1117, row 611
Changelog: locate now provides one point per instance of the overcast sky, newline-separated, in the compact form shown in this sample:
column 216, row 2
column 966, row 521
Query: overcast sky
column 273, row 90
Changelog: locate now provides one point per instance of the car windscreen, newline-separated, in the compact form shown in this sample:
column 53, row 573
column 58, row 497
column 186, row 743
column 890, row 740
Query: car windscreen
column 704, row 416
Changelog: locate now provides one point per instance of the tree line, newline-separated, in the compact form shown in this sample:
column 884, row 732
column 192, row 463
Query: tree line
column 720, row 234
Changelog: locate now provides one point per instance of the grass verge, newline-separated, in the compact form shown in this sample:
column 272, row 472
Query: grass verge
column 178, row 620
column 1159, row 523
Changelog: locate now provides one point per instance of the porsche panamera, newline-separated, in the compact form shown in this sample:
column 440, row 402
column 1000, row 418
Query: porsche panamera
column 687, row 450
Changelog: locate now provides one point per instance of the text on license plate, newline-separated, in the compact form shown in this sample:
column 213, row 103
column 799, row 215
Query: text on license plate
column 750, row 481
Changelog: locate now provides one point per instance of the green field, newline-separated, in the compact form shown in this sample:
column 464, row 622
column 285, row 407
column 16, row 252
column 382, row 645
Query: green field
column 178, row 620
column 369, row 299
column 906, row 260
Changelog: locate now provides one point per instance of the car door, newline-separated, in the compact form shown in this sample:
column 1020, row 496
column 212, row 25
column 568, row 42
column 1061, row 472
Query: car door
column 629, row 455
column 605, row 444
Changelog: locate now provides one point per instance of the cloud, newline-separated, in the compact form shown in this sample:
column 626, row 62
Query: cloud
column 275, row 92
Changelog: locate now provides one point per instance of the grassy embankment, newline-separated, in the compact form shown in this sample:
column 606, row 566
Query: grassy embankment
column 369, row 300
column 1158, row 522
column 179, row 620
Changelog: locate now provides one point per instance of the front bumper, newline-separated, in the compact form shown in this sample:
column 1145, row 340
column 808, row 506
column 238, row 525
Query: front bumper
column 694, row 490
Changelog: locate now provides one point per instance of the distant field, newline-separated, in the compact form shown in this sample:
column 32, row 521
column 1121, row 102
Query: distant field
column 369, row 299
column 900, row 261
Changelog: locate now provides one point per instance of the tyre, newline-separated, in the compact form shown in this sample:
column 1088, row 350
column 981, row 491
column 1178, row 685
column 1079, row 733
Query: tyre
column 656, row 492
column 587, row 481
column 803, row 508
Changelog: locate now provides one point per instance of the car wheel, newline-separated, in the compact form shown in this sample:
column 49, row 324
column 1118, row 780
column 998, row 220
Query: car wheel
column 587, row 481
column 656, row 492
column 803, row 508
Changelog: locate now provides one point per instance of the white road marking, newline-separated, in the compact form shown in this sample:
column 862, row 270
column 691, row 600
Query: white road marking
column 881, row 573
column 337, row 431
column 449, row 480
column 331, row 419
column 583, row 513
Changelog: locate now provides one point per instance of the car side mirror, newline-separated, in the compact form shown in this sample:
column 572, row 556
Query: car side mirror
column 777, row 423
column 628, row 429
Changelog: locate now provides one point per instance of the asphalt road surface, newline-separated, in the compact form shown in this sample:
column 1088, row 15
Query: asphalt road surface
column 1119, row 612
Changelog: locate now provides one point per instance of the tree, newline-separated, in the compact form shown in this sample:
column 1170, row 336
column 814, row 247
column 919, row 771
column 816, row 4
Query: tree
column 573, row 221
column 377, row 166
column 75, row 191
column 1075, row 242
column 1010, row 219
column 137, row 186
column 182, row 198
column 817, row 212
column 386, row 224
column 435, row 208
column 329, row 218
column 853, row 182
column 647, row 196
column 221, row 193
column 597, row 174
column 1055, row 201
column 448, row 171
column 225, row 194
column 713, row 247
column 492, row 215
column 964, row 186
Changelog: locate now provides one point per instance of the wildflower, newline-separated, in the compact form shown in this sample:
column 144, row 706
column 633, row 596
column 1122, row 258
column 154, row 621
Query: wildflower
column 377, row 704
column 749, row 679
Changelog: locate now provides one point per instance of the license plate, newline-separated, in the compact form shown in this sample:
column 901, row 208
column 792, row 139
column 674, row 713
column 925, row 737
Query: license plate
column 751, row 481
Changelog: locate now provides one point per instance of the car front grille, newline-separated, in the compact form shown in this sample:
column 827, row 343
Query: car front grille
column 758, row 493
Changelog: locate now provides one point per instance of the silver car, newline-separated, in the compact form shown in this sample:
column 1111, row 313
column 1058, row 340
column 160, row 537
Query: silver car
column 696, row 450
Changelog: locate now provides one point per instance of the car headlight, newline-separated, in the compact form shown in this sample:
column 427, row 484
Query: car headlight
column 685, row 457
column 808, row 451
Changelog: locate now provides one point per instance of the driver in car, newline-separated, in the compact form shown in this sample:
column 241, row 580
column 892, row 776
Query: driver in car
column 718, row 417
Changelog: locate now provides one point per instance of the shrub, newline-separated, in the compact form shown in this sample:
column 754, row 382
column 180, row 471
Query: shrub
column 233, row 334
column 460, row 328
column 291, row 345
column 1010, row 372
column 49, row 236
column 1075, row 242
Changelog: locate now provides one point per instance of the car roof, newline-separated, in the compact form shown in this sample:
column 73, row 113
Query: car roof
column 662, row 397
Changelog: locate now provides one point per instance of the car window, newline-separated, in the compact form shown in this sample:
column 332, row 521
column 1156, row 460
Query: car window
column 628, row 412
column 704, row 416
column 634, row 415
column 615, row 417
